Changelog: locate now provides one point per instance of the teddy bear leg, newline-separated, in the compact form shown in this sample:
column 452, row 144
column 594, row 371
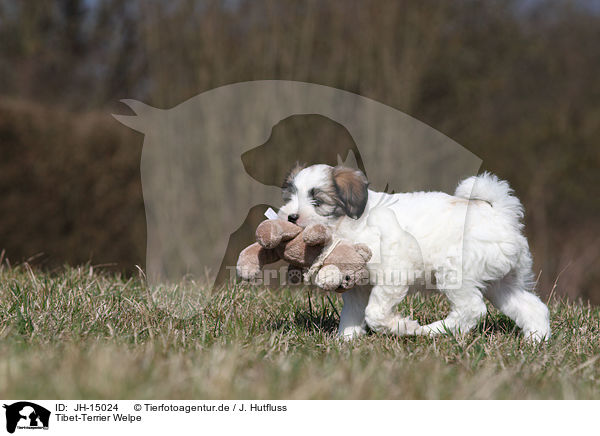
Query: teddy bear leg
column 352, row 318
column 252, row 259
column 381, row 315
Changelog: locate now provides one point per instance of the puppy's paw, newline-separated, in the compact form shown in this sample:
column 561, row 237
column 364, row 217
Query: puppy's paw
column 535, row 336
column 350, row 333
column 405, row 326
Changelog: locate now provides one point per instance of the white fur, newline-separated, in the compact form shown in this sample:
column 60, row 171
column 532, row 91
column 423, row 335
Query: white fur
column 470, row 245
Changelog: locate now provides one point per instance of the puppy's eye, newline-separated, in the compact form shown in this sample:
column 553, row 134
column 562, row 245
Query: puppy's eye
column 316, row 202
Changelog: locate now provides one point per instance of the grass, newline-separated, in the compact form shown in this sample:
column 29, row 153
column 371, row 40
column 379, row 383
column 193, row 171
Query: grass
column 80, row 333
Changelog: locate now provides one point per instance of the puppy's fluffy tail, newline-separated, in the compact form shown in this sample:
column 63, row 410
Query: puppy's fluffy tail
column 498, row 193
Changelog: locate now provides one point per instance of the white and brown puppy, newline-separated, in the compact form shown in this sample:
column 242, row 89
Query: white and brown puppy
column 474, row 235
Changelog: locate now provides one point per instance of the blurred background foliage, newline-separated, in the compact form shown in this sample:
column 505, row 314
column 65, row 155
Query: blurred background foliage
column 516, row 82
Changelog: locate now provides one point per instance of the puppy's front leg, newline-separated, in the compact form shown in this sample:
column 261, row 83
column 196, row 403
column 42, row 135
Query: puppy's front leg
column 352, row 318
column 381, row 315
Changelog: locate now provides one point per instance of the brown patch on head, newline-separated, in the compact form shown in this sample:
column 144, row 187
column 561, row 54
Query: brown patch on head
column 351, row 190
column 288, row 186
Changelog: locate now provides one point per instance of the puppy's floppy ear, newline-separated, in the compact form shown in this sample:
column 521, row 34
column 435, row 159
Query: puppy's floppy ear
column 289, row 179
column 351, row 190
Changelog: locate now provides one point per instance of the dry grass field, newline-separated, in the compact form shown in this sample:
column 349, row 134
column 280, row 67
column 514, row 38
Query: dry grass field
column 79, row 333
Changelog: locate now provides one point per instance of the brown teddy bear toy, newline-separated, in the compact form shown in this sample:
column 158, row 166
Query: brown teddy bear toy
column 335, row 265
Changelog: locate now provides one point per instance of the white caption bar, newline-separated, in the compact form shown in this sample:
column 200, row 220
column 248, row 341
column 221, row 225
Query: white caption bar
column 298, row 417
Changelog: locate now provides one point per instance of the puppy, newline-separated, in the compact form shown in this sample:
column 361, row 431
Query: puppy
column 468, row 245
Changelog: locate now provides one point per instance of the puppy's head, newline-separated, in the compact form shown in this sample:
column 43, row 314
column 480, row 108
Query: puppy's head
column 323, row 194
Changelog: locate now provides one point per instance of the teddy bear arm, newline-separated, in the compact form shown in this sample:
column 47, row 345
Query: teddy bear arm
column 364, row 251
column 316, row 234
column 296, row 252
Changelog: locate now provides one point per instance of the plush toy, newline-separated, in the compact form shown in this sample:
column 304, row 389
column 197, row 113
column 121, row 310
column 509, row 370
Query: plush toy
column 310, row 252
column 343, row 267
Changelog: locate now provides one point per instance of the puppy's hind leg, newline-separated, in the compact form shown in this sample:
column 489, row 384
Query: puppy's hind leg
column 510, row 296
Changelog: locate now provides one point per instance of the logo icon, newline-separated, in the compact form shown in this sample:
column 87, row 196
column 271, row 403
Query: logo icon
column 26, row 415
column 213, row 164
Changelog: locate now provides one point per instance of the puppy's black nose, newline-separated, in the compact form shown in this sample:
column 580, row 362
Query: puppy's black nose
column 293, row 217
